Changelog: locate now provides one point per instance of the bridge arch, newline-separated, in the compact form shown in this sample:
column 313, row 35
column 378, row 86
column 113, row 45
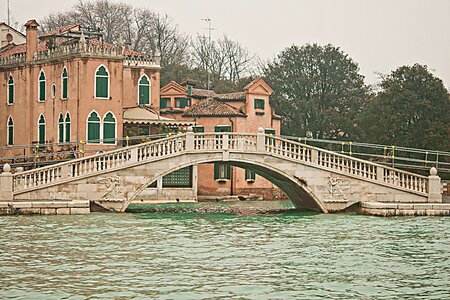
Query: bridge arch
column 295, row 188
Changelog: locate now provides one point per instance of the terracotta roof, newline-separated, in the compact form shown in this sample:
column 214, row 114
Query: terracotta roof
column 212, row 108
column 231, row 96
column 201, row 93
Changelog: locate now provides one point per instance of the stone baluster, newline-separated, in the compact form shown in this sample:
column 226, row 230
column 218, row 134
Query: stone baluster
column 434, row 186
column 6, row 183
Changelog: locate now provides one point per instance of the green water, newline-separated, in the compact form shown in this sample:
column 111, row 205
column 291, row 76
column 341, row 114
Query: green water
column 224, row 251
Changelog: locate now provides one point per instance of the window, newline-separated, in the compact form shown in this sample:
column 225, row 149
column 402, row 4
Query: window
column 41, row 130
column 198, row 129
column 222, row 128
column 269, row 131
column 143, row 130
column 93, row 130
column 181, row 102
column 144, row 90
column 164, row 103
column 53, row 91
column 181, row 178
column 259, row 103
column 109, row 129
column 222, row 171
column 61, row 128
column 42, row 86
column 102, row 83
column 64, row 83
column 10, row 131
column 67, row 124
column 10, row 90
column 189, row 88
column 250, row 175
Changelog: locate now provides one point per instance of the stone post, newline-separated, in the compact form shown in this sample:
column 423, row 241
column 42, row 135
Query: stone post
column 434, row 186
column 190, row 136
column 380, row 173
column 6, row 184
column 261, row 140
column 314, row 156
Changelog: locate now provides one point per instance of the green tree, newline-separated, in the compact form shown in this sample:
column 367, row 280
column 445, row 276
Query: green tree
column 317, row 89
column 412, row 109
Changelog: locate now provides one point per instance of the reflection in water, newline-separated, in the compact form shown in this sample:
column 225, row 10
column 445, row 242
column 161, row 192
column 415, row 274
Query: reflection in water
column 214, row 250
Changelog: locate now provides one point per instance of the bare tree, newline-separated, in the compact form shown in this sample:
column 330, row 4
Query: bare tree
column 142, row 29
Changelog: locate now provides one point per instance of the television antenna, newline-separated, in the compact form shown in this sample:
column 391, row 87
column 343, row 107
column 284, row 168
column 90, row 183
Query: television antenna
column 210, row 29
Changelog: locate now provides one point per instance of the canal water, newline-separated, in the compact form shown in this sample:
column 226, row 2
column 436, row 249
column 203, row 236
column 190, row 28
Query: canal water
column 224, row 251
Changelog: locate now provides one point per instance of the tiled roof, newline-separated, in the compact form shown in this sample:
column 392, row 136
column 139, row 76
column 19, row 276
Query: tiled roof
column 201, row 93
column 212, row 108
column 231, row 96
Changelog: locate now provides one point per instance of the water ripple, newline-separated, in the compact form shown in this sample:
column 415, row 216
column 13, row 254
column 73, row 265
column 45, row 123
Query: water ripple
column 223, row 251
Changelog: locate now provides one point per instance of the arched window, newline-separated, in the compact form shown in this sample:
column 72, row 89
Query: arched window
column 10, row 90
column 10, row 131
column 144, row 90
column 109, row 129
column 41, row 129
column 93, row 130
column 64, row 82
column 61, row 128
column 102, row 83
column 67, row 133
column 42, row 86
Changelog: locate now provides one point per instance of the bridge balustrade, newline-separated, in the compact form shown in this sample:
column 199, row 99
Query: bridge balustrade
column 203, row 142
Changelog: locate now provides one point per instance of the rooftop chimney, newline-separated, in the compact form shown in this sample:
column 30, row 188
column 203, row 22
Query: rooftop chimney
column 32, row 41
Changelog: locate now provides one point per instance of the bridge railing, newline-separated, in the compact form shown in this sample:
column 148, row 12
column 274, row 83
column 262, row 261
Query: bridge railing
column 98, row 163
column 346, row 164
column 198, row 142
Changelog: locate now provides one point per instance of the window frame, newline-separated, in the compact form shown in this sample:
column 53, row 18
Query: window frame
column 39, row 129
column 178, row 102
column 149, row 86
column 67, row 133
column 40, row 81
column 168, row 100
column 88, row 141
column 61, row 128
column 11, row 87
column 108, row 76
column 257, row 103
column 102, row 126
column 250, row 175
column 64, row 85
column 10, row 131
column 222, row 172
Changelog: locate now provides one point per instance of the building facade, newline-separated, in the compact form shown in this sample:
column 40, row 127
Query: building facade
column 65, row 87
column 243, row 111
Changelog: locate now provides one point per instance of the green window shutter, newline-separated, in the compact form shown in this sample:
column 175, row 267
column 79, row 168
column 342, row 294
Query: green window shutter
column 93, row 134
column 226, row 128
column 228, row 171
column 61, row 129
column 269, row 131
column 10, row 132
column 101, row 83
column 42, row 90
column 67, row 123
column 216, row 171
column 144, row 90
column 199, row 129
column 162, row 102
column 64, row 83
column 42, row 134
column 259, row 103
column 11, row 90
column 262, row 104
column 249, row 174
column 189, row 88
column 109, row 129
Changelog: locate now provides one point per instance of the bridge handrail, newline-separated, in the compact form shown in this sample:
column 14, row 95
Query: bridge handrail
column 49, row 174
column 349, row 164
column 215, row 141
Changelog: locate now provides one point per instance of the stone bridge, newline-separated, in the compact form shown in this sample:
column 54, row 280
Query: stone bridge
column 311, row 177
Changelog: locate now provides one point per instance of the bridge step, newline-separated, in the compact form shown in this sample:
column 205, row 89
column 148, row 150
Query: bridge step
column 385, row 209
column 78, row 207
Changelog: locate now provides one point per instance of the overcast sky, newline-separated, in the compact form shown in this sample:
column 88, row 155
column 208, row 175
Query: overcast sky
column 380, row 35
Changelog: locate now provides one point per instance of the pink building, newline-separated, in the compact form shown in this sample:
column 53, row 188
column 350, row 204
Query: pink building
column 244, row 111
